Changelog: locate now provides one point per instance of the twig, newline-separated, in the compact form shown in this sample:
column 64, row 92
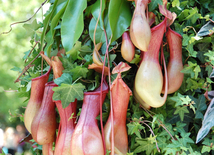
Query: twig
column 160, row 124
column 26, row 68
column 31, row 51
column 152, row 134
column 24, row 20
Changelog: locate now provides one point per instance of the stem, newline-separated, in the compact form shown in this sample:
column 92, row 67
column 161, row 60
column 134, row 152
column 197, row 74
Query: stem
column 111, row 103
column 152, row 134
column 31, row 51
column 160, row 124
column 26, row 68
column 95, row 31
column 42, row 66
column 76, row 80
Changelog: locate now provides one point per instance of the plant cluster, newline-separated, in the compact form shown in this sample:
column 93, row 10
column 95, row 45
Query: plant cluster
column 84, row 33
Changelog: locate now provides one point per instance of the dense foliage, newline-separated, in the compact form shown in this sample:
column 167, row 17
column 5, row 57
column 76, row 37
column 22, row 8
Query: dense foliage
column 170, row 129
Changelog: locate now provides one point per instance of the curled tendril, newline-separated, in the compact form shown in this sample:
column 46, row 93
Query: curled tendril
column 20, row 22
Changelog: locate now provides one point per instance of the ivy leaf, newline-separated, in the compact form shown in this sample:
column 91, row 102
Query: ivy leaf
column 169, row 128
column 136, row 59
column 210, row 55
column 79, row 71
column 205, row 149
column 65, row 78
column 207, row 122
column 174, row 144
column 180, row 127
column 31, row 28
column 72, row 23
column 68, row 93
column 119, row 20
column 134, row 128
column 191, row 69
column 145, row 145
column 171, row 151
column 181, row 110
column 185, row 138
column 200, row 106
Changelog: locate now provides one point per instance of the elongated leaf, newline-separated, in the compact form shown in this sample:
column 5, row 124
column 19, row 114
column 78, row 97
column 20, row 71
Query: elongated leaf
column 99, row 35
column 72, row 23
column 96, row 12
column 46, row 23
column 207, row 122
column 207, row 29
column 54, row 22
column 68, row 93
column 119, row 17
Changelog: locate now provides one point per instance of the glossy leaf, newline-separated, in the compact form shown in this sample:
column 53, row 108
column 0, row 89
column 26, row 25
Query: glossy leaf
column 57, row 14
column 207, row 123
column 96, row 12
column 99, row 35
column 119, row 17
column 46, row 23
column 207, row 29
column 72, row 23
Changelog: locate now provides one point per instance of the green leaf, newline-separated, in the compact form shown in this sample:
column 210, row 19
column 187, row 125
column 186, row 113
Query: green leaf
column 57, row 14
column 176, row 3
column 207, row 122
column 171, row 151
column 99, row 35
column 31, row 28
column 46, row 23
column 154, row 3
column 136, row 59
column 205, row 149
column 193, row 69
column 96, row 12
column 65, row 78
column 68, row 93
column 169, row 129
column 185, row 138
column 207, row 29
column 181, row 110
column 74, row 50
column 79, row 71
column 145, row 145
column 72, row 23
column 180, row 127
column 134, row 128
column 200, row 106
column 120, row 16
